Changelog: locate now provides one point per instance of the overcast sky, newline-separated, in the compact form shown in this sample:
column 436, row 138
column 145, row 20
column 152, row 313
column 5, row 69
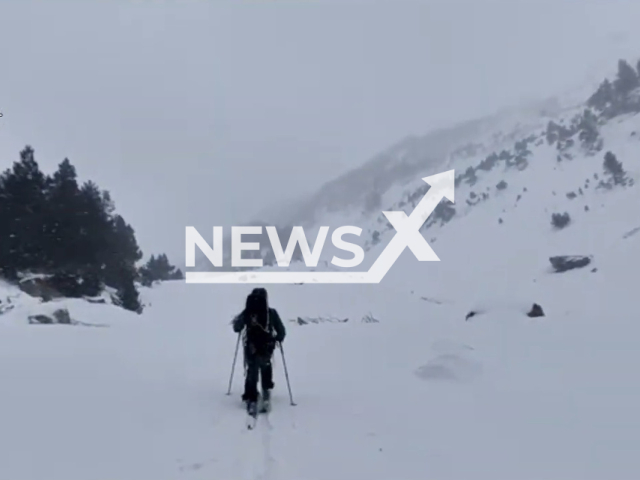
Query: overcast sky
column 201, row 113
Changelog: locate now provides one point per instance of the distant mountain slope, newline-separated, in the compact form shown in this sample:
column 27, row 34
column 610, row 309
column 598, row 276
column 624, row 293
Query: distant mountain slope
column 483, row 152
column 361, row 187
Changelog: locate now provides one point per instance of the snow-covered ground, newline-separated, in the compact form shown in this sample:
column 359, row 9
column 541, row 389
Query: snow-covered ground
column 422, row 393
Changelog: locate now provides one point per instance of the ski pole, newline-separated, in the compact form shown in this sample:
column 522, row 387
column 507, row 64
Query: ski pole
column 286, row 374
column 233, row 365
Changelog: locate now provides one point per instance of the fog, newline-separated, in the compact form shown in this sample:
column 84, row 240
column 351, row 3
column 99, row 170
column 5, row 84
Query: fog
column 203, row 113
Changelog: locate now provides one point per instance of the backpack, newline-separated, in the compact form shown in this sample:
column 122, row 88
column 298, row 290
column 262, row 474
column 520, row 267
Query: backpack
column 259, row 338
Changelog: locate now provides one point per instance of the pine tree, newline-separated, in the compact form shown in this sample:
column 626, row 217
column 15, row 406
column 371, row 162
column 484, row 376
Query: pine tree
column 627, row 79
column 94, row 232
column 159, row 269
column 62, row 228
column 122, row 253
column 588, row 128
column 613, row 167
column 470, row 175
column 23, row 215
column 603, row 97
column 52, row 226
column 127, row 295
column 177, row 275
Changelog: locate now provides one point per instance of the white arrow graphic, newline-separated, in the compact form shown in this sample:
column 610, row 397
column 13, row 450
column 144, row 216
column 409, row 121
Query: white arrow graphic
column 407, row 235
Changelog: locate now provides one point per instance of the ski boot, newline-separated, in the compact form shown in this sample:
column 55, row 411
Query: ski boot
column 252, row 409
column 266, row 402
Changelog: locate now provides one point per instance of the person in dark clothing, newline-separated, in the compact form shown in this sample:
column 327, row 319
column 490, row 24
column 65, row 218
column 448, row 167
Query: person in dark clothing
column 263, row 329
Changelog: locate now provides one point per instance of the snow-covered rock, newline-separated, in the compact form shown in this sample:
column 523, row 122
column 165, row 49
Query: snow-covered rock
column 563, row 263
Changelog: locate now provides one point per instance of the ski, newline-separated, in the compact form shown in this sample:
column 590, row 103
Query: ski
column 251, row 421
column 265, row 403
column 252, row 415
column 261, row 407
column 265, row 408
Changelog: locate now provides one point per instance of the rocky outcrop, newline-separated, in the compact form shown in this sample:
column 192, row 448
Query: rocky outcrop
column 308, row 320
column 536, row 311
column 470, row 314
column 6, row 305
column 563, row 263
column 60, row 316
column 369, row 318
column 39, row 286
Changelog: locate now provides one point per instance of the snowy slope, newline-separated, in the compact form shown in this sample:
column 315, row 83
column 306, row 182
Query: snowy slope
column 421, row 393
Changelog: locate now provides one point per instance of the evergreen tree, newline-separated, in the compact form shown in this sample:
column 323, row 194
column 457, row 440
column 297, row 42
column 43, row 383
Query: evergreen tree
column 159, row 269
column 613, row 167
column 627, row 79
column 62, row 228
column 23, row 215
column 127, row 295
column 470, row 175
column 560, row 220
column 588, row 128
column 603, row 97
column 51, row 225
column 94, row 232
column 121, row 254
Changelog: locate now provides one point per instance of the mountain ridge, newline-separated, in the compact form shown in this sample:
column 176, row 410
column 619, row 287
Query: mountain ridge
column 511, row 136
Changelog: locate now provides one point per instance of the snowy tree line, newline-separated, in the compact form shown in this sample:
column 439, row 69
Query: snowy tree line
column 71, row 233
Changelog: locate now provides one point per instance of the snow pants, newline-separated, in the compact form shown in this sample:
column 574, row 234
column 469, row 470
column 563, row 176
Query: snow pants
column 257, row 368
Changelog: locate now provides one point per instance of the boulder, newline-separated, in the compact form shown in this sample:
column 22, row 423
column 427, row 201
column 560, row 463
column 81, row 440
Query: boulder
column 563, row 263
column 536, row 311
column 40, row 320
column 6, row 306
column 39, row 287
column 60, row 316
column 98, row 300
